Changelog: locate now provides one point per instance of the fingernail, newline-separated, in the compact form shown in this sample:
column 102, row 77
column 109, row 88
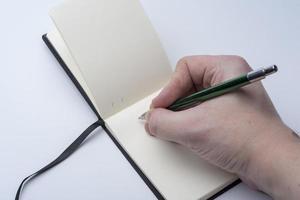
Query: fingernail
column 147, row 128
column 151, row 106
column 148, row 114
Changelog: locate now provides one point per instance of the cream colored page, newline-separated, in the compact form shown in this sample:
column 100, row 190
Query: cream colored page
column 116, row 49
column 176, row 172
column 59, row 45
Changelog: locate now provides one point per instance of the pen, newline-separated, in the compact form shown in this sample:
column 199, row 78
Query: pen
column 220, row 89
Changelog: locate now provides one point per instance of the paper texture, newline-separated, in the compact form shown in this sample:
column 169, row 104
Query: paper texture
column 175, row 171
column 116, row 49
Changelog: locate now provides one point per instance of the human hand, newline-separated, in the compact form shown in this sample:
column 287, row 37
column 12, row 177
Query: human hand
column 240, row 132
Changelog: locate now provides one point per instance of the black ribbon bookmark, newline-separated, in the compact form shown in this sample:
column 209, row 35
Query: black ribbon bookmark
column 70, row 150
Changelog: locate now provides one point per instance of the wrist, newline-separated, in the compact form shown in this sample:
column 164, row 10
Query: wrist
column 274, row 164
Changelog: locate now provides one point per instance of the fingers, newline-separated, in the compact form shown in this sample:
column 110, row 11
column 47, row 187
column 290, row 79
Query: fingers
column 180, row 84
column 194, row 73
column 167, row 125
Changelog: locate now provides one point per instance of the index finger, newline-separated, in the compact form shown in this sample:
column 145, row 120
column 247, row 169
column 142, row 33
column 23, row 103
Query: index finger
column 180, row 84
column 194, row 73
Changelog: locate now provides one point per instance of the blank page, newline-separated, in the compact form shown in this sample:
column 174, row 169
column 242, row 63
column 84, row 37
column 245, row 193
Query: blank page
column 61, row 48
column 116, row 49
column 175, row 171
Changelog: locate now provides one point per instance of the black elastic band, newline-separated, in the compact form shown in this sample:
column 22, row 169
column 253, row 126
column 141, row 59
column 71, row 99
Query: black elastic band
column 70, row 150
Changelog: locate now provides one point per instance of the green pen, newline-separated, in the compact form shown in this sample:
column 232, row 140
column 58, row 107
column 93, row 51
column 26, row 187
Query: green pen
column 220, row 89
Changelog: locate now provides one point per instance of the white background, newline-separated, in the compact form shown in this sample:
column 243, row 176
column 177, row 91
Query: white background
column 41, row 112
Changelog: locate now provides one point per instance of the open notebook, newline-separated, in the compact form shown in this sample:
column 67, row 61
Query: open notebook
column 111, row 50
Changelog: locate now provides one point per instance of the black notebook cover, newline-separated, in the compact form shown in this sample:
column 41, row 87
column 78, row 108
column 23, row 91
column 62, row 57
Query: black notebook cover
column 133, row 164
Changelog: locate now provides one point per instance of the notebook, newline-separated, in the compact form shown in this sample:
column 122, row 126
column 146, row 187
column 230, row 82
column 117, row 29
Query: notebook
column 114, row 56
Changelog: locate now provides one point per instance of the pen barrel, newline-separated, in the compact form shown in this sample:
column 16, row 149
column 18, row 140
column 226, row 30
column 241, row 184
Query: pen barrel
column 209, row 93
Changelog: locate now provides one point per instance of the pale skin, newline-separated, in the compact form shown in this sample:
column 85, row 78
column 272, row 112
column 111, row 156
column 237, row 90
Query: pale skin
column 240, row 132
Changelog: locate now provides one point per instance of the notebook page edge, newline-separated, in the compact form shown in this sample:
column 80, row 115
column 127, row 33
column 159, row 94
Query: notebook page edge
column 59, row 45
column 53, row 14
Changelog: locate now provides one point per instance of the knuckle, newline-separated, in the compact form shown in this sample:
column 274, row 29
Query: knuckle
column 184, row 61
column 236, row 64
column 177, row 82
column 181, row 63
column 241, row 63
column 239, row 58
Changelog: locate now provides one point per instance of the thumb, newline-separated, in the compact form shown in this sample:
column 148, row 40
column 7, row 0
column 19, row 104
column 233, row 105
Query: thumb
column 167, row 125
